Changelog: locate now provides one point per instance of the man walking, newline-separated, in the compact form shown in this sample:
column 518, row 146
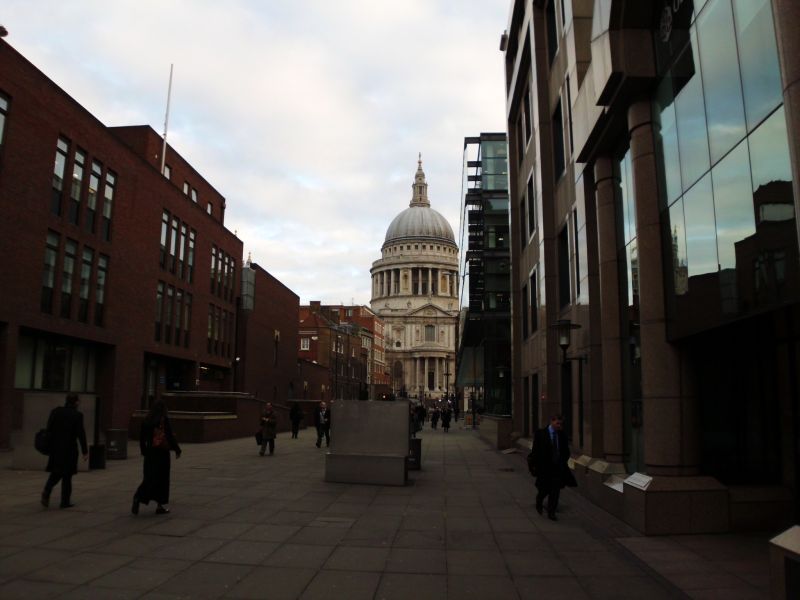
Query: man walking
column 65, row 431
column 551, row 453
column 322, row 420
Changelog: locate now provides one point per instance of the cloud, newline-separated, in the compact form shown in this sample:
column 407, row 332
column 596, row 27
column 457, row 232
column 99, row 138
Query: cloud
column 307, row 116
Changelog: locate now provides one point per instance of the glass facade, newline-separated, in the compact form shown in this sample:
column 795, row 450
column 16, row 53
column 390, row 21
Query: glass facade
column 727, row 205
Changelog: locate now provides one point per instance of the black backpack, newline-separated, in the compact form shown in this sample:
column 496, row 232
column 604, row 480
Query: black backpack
column 41, row 441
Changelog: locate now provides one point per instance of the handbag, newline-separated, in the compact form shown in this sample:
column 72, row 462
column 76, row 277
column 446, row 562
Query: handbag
column 160, row 437
column 259, row 437
column 41, row 441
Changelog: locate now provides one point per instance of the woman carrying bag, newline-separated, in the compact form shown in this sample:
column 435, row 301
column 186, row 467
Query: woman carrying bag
column 156, row 441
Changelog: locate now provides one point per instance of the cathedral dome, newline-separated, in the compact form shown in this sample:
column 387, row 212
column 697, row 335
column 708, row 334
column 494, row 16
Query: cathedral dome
column 419, row 220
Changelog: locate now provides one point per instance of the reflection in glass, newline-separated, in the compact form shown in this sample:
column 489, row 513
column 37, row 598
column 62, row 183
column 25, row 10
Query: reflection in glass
column 627, row 204
column 758, row 57
column 701, row 237
column 690, row 115
column 721, row 83
column 669, row 141
column 733, row 204
column 769, row 152
column 632, row 264
column 678, row 239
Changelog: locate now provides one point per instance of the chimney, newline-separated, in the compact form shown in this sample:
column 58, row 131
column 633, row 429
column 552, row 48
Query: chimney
column 315, row 306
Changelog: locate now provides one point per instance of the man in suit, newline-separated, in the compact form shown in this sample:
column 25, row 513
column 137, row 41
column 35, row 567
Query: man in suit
column 65, row 431
column 322, row 420
column 551, row 453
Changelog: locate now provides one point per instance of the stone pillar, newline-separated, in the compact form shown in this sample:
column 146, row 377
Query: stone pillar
column 419, row 281
column 606, row 187
column 786, row 14
column 430, row 281
column 669, row 409
column 436, row 373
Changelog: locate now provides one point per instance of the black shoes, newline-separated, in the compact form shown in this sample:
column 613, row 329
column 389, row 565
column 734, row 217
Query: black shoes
column 162, row 510
column 539, row 508
column 67, row 505
column 318, row 444
column 552, row 516
column 45, row 500
column 135, row 506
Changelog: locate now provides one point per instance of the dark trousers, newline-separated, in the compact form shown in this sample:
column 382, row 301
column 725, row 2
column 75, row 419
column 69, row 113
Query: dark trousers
column 270, row 443
column 295, row 428
column 326, row 431
column 552, row 490
column 66, row 486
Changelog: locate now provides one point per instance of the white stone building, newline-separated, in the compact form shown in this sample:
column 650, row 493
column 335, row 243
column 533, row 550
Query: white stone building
column 415, row 291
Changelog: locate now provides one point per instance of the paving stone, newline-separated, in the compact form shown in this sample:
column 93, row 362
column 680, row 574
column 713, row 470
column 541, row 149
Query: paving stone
column 275, row 583
column 412, row 560
column 397, row 586
column 541, row 563
column 188, row 548
column 293, row 555
column 358, row 559
column 206, row 580
column 624, row 588
column 353, row 585
column 30, row 559
column 128, row 578
column 243, row 552
column 88, row 592
column 563, row 588
column 79, row 568
column 320, row 536
column 419, row 539
column 475, row 562
column 226, row 530
column 481, row 587
column 22, row 589
column 270, row 533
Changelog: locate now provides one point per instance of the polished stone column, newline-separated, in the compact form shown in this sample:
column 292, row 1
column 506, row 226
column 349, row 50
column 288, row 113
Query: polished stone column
column 669, row 408
column 606, row 188
column 786, row 14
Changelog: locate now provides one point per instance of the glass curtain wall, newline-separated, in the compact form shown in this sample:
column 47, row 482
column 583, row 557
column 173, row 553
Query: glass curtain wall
column 727, row 209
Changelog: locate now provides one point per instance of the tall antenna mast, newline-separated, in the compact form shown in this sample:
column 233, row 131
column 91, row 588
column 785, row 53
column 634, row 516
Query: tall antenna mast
column 166, row 121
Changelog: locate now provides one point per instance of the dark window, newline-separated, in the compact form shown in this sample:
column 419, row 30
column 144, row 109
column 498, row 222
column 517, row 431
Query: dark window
column 576, row 258
column 85, row 287
column 430, row 333
column 520, row 139
column 78, row 165
column 523, row 234
column 182, row 250
column 164, row 238
column 531, row 207
column 526, row 104
column 186, row 187
column 3, row 117
column 108, row 204
column 62, row 147
column 524, row 309
column 100, row 291
column 213, row 269
column 178, row 313
column 534, row 290
column 569, row 112
column 95, row 177
column 187, row 317
column 558, row 143
column 173, row 244
column 159, row 309
column 563, row 268
column 67, row 276
column 552, row 30
column 49, row 273
column 210, row 328
column 190, row 257
column 168, row 314
column 194, row 195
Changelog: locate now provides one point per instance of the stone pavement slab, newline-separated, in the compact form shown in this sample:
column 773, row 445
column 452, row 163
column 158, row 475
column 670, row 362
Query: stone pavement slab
column 243, row 526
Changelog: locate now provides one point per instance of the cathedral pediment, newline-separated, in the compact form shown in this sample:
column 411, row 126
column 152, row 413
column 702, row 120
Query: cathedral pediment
column 429, row 310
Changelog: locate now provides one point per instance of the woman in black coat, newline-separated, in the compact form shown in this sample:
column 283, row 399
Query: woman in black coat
column 155, row 441
column 65, row 431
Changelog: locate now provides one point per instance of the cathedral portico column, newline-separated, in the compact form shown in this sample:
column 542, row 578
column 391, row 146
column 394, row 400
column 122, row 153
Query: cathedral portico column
column 605, row 194
column 669, row 407
column 430, row 281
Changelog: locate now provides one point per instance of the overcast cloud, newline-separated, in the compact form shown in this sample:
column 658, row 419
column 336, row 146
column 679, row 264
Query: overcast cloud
column 306, row 115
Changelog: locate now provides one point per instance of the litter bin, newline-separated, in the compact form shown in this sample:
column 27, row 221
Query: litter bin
column 116, row 444
column 415, row 454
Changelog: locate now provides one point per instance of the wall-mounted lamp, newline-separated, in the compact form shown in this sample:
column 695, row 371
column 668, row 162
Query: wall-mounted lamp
column 564, row 329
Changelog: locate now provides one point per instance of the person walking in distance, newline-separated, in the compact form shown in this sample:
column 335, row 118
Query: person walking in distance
column 269, row 428
column 446, row 418
column 65, row 431
column 155, row 442
column 551, row 453
column 295, row 416
column 322, row 420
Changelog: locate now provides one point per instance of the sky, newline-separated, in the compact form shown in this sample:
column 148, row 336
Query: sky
column 307, row 115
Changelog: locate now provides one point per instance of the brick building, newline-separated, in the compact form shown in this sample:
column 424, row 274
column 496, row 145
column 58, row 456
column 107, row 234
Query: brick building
column 119, row 283
column 267, row 327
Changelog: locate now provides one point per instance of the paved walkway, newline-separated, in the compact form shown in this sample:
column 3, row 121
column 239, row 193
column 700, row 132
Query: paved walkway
column 243, row 526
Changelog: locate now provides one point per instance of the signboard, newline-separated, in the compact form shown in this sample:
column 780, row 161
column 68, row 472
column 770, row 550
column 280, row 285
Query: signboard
column 639, row 480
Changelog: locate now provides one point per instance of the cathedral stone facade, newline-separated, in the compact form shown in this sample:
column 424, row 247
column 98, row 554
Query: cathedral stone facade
column 415, row 291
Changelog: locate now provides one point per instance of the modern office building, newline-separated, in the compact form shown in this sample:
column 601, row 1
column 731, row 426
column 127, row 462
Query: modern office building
column 415, row 292
column 653, row 172
column 484, row 349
